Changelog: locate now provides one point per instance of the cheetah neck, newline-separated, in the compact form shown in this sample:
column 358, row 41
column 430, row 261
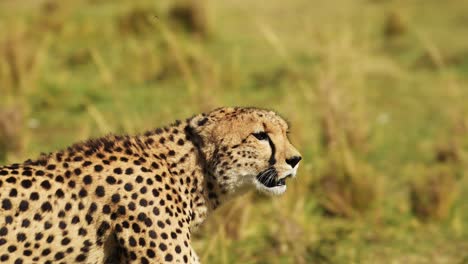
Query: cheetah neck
column 176, row 148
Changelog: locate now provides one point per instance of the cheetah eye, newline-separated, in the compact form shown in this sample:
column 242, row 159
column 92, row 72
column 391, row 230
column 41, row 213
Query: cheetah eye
column 261, row 135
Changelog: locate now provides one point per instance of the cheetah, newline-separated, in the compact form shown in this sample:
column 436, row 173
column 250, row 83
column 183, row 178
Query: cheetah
column 136, row 199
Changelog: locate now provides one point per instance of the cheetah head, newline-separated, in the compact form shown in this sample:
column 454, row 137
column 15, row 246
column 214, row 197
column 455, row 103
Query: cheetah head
column 244, row 147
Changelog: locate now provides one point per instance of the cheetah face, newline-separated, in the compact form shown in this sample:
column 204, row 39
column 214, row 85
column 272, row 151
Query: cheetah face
column 247, row 147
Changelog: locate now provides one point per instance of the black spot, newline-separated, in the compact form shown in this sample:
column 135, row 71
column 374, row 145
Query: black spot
column 141, row 242
column 81, row 258
column 106, row 209
column 11, row 180
column 141, row 217
column 46, row 185
column 46, row 252
column 20, row 237
column 47, row 225
column 3, row 231
column 83, row 193
column 111, row 180
column 160, row 223
column 59, row 179
column 132, row 242
column 115, row 198
column 162, row 246
column 65, row 241
column 168, row 257
column 156, row 211
column 148, row 222
column 59, row 256
column 121, row 210
column 62, row 225
column 92, row 208
column 178, row 249
column 75, row 220
column 98, row 168
column 82, row 232
column 87, row 179
column 128, row 187
column 59, row 193
column 24, row 205
column 136, row 228
column 100, row 192
column 46, row 206
column 6, row 204
column 50, row 239
column 150, row 253
column 13, row 193
column 26, row 183
column 37, row 217
column 71, row 184
column 25, row 223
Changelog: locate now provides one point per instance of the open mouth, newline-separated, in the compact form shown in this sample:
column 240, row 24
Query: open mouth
column 269, row 178
column 282, row 181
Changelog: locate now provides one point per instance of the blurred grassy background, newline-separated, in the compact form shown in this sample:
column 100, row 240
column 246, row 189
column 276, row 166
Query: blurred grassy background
column 375, row 90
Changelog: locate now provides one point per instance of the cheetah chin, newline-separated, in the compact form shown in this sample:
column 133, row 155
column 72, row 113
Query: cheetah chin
column 268, row 182
column 276, row 190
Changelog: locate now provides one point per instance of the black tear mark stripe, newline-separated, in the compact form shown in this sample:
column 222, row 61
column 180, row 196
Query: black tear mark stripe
column 272, row 160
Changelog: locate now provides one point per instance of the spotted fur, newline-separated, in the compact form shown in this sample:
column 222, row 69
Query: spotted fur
column 136, row 199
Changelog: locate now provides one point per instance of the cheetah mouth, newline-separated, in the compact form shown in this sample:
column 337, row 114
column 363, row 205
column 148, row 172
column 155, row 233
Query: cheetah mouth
column 269, row 178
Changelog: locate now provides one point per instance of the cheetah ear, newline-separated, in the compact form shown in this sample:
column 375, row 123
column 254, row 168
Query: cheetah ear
column 199, row 121
column 197, row 129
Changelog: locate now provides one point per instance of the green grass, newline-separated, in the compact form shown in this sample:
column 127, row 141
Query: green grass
column 87, row 68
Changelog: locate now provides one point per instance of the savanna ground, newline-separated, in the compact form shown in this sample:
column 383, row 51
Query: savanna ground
column 375, row 91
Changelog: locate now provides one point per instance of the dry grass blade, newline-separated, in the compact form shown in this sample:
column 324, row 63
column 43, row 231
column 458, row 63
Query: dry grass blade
column 347, row 187
column 433, row 193
column 192, row 16
column 11, row 131
column 18, row 60
column 395, row 25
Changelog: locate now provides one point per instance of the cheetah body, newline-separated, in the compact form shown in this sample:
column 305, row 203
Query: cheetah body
column 136, row 199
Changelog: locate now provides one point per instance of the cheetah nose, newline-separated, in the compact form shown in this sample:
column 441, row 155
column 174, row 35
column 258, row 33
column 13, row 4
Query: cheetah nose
column 293, row 161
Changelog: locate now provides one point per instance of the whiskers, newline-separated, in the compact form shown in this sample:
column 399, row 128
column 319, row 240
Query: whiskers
column 268, row 177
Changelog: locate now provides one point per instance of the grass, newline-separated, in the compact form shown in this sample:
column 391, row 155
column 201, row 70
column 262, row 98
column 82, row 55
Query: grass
column 374, row 90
